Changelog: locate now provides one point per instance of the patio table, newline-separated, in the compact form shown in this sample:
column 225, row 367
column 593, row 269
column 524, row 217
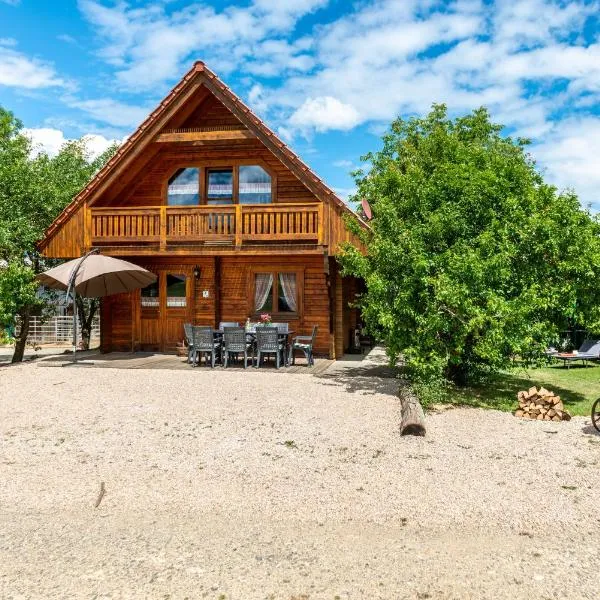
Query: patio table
column 251, row 337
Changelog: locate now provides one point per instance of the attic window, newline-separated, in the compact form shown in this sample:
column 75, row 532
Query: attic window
column 255, row 185
column 183, row 188
column 219, row 186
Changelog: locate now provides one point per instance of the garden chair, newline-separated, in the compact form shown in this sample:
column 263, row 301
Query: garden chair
column 204, row 343
column 267, row 342
column 235, row 342
column 304, row 343
column 189, row 340
column 281, row 327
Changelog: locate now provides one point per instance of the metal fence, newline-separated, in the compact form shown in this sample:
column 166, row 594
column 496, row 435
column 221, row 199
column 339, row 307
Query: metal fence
column 57, row 330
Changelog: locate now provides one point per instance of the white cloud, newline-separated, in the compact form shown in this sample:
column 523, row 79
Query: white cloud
column 570, row 156
column 11, row 2
column 49, row 140
column 110, row 111
column 20, row 71
column 324, row 113
column 65, row 37
column 343, row 164
column 345, row 193
column 380, row 59
column 150, row 45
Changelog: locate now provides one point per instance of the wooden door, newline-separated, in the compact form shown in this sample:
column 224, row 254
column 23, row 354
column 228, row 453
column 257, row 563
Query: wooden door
column 175, row 307
column 165, row 307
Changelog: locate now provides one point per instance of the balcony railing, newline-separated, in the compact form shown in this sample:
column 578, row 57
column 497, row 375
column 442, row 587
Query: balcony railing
column 236, row 224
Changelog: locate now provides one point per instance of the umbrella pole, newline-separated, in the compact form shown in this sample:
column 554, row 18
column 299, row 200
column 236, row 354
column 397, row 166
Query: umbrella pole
column 71, row 288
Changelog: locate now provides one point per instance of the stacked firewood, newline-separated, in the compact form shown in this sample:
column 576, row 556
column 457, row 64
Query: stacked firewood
column 541, row 405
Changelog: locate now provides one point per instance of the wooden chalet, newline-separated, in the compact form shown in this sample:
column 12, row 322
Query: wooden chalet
column 234, row 224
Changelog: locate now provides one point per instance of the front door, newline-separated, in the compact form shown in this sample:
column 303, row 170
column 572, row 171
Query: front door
column 164, row 309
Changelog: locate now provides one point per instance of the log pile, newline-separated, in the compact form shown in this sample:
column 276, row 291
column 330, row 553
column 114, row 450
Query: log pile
column 541, row 405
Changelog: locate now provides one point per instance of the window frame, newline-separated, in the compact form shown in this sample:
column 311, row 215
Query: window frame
column 205, row 166
column 275, row 271
column 198, row 179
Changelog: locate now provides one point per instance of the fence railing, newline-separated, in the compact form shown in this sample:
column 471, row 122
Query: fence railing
column 57, row 330
column 240, row 223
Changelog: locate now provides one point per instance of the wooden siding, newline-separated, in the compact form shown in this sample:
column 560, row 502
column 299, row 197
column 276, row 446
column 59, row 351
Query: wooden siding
column 211, row 113
column 228, row 281
column 149, row 186
column 69, row 239
column 116, row 322
column 336, row 231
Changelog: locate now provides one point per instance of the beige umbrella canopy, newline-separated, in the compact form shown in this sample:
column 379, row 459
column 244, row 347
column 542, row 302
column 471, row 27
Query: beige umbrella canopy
column 94, row 276
column 98, row 276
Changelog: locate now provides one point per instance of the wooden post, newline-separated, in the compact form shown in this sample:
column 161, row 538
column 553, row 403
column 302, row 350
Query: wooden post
column 87, row 228
column 321, row 230
column 238, row 225
column 163, row 227
column 339, row 315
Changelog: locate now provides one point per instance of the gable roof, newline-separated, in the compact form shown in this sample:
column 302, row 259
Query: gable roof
column 199, row 74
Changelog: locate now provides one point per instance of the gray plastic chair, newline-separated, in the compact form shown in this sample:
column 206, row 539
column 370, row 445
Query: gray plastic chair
column 189, row 340
column 234, row 342
column 281, row 327
column 267, row 342
column 306, row 344
column 204, row 343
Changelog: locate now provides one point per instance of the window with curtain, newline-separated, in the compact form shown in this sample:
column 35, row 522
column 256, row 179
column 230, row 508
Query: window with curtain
column 263, row 292
column 287, row 293
column 275, row 292
column 254, row 185
column 219, row 186
column 176, row 291
column 183, row 188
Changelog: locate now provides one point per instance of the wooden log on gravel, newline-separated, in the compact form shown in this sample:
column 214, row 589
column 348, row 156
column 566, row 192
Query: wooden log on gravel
column 413, row 417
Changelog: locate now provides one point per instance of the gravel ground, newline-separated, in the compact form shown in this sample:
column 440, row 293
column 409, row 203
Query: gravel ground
column 243, row 485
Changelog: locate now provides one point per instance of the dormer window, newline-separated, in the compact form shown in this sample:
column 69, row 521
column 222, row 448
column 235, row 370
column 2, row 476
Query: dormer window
column 183, row 187
column 236, row 184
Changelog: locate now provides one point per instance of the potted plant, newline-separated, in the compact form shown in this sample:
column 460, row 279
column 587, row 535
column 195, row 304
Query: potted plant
column 265, row 320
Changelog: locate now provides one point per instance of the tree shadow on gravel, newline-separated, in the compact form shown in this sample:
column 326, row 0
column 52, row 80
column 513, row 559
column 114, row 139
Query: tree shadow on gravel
column 371, row 375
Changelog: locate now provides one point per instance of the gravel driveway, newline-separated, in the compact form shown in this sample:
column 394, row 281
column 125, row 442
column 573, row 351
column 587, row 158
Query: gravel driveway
column 242, row 485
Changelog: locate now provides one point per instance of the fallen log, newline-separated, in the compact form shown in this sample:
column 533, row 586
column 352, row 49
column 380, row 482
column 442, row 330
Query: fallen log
column 413, row 418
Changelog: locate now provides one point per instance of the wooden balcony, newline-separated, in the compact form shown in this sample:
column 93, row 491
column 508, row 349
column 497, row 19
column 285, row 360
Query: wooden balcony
column 234, row 225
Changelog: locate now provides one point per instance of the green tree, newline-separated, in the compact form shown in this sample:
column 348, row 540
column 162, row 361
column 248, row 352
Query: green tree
column 472, row 259
column 34, row 188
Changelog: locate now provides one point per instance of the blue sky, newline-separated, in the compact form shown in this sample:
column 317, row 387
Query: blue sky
column 327, row 75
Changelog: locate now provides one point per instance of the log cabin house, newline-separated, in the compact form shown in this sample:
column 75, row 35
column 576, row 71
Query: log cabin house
column 230, row 219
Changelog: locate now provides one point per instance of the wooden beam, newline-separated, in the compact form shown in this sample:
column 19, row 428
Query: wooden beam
column 202, row 136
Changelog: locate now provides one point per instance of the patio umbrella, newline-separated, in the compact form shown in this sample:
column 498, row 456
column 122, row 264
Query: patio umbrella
column 97, row 276
column 94, row 276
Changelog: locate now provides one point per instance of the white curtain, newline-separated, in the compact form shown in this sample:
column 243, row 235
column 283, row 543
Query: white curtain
column 287, row 282
column 263, row 286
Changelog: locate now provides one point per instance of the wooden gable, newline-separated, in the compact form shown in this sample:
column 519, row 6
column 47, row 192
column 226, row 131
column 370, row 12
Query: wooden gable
column 199, row 122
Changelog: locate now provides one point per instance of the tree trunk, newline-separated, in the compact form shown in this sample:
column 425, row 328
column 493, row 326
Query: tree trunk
column 413, row 418
column 21, row 341
column 86, row 311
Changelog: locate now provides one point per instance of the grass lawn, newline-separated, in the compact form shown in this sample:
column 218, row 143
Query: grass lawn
column 577, row 386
